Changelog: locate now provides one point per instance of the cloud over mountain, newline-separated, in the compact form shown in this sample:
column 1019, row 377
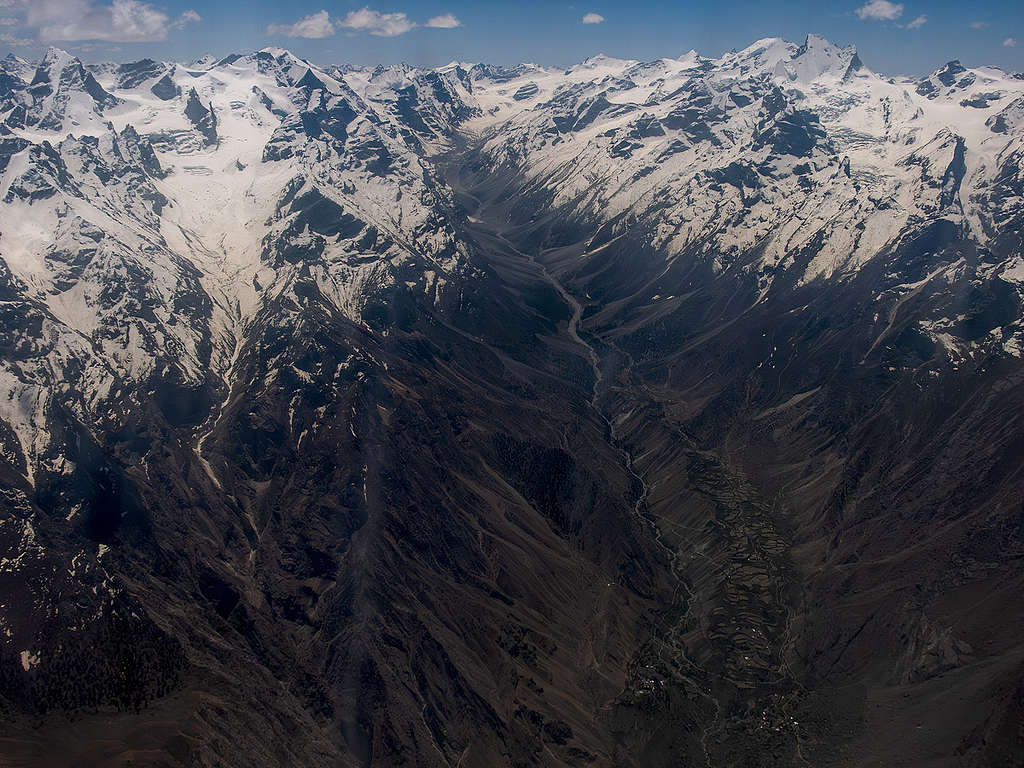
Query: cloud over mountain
column 880, row 10
column 376, row 23
column 128, row 21
column 313, row 27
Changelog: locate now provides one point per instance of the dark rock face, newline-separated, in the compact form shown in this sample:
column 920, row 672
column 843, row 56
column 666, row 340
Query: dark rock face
column 526, row 91
column 796, row 134
column 948, row 74
column 202, row 117
column 165, row 89
column 134, row 74
column 59, row 78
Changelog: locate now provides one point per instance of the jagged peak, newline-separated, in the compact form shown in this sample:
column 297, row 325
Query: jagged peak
column 17, row 67
column 205, row 61
column 54, row 52
column 277, row 52
column 391, row 75
column 54, row 62
column 819, row 57
column 950, row 68
column 60, row 69
column 814, row 42
column 816, row 57
column 58, row 58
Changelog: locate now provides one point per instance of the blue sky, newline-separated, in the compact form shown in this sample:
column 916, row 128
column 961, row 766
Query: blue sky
column 912, row 37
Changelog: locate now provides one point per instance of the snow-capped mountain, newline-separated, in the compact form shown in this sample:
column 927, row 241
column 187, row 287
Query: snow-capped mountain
column 206, row 192
column 275, row 333
column 767, row 149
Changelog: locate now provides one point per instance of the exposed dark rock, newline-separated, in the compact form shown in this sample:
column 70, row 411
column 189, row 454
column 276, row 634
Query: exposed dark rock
column 525, row 91
column 202, row 117
column 949, row 73
column 165, row 88
column 134, row 74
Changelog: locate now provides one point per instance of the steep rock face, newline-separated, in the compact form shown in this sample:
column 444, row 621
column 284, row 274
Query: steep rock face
column 64, row 90
column 202, row 117
column 640, row 413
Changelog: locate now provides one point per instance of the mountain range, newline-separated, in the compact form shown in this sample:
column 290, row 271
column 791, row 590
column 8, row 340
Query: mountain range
column 631, row 414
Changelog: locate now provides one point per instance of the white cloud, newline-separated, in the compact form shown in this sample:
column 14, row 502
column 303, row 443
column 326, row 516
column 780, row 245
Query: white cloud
column 6, row 3
column 9, row 21
column 376, row 23
column 593, row 18
column 1009, row 43
column 880, row 10
column 128, row 21
column 18, row 41
column 979, row 25
column 320, row 25
column 187, row 17
column 444, row 21
column 919, row 22
column 313, row 27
